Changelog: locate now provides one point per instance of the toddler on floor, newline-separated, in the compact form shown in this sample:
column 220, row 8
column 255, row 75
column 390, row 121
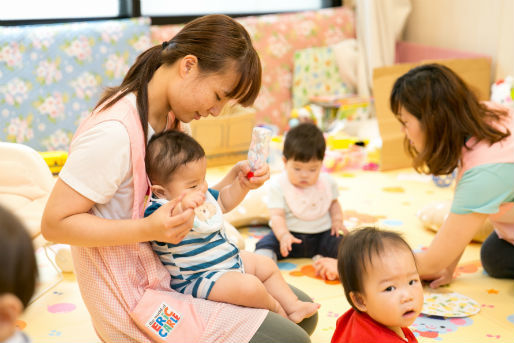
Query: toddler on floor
column 205, row 264
column 305, row 216
column 381, row 282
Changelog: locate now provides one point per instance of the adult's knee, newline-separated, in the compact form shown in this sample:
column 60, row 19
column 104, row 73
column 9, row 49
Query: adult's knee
column 276, row 329
column 496, row 257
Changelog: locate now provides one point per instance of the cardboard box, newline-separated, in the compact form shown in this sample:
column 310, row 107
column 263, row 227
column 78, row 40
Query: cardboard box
column 226, row 138
column 476, row 72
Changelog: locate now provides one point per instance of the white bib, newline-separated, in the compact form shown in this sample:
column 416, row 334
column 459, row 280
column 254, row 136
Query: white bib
column 308, row 203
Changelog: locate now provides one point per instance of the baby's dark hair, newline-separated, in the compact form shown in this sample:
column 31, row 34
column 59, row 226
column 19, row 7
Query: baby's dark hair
column 167, row 151
column 304, row 142
column 356, row 252
column 19, row 272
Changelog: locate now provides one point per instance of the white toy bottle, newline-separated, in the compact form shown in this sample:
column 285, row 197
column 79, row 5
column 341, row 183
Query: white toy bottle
column 259, row 149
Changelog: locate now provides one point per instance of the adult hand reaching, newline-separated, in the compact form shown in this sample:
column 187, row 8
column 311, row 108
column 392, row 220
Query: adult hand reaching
column 164, row 226
column 443, row 277
column 259, row 176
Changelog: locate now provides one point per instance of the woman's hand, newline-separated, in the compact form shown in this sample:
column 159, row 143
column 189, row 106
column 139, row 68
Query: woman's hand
column 437, row 263
column 258, row 178
column 443, row 278
column 326, row 268
column 167, row 227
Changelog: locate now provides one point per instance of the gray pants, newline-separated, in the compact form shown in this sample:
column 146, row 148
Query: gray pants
column 277, row 329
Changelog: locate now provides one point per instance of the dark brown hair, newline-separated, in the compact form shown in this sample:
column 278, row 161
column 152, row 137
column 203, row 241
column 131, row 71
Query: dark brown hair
column 449, row 114
column 216, row 40
column 167, row 151
column 304, row 142
column 19, row 269
column 356, row 252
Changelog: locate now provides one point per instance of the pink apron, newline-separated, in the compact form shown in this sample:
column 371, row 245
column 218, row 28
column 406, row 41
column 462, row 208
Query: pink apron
column 126, row 288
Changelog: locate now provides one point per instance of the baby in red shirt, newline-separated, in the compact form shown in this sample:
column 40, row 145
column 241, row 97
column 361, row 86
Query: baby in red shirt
column 381, row 282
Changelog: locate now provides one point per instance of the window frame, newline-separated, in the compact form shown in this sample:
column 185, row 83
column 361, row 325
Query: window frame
column 132, row 9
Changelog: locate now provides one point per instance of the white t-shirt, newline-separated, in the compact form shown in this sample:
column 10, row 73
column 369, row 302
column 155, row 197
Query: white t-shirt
column 99, row 167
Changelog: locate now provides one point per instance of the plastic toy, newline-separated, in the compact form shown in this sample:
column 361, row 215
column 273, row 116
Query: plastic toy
column 336, row 160
column 259, row 149
column 444, row 180
column 306, row 114
column 337, row 141
column 433, row 215
column 502, row 91
column 55, row 160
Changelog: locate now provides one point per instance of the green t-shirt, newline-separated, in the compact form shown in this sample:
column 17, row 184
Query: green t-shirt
column 484, row 188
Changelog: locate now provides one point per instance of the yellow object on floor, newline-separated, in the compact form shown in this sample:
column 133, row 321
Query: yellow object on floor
column 384, row 199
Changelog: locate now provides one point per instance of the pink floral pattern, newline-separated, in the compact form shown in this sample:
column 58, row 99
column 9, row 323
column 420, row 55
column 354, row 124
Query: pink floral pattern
column 276, row 37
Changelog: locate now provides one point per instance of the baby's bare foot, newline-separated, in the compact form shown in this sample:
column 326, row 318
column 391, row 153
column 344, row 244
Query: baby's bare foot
column 301, row 310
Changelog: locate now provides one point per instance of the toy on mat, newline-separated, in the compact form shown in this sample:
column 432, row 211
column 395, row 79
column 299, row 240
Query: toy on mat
column 259, row 149
column 444, row 180
column 502, row 92
column 448, row 304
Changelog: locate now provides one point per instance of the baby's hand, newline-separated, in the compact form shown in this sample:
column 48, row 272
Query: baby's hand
column 193, row 200
column 337, row 227
column 286, row 243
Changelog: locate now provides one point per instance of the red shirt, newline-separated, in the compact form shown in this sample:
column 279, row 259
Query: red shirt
column 358, row 327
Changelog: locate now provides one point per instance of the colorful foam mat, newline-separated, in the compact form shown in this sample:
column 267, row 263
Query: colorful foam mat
column 474, row 308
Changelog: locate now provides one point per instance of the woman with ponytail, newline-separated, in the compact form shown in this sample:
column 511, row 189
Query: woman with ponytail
column 98, row 200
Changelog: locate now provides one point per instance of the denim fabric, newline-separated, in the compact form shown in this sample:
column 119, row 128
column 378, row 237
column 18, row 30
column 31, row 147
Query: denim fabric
column 312, row 244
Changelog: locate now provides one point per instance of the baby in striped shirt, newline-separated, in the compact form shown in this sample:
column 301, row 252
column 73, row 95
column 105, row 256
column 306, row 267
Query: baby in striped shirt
column 205, row 263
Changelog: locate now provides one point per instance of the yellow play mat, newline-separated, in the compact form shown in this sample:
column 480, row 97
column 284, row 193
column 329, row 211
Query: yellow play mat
column 385, row 199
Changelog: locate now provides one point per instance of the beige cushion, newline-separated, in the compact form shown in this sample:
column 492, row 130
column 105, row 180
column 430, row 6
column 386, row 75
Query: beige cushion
column 25, row 184
column 252, row 210
column 433, row 216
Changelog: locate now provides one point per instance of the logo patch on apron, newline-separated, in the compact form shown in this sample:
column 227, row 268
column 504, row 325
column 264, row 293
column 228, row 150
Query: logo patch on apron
column 163, row 321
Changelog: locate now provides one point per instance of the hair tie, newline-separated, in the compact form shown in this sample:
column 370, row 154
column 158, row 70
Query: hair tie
column 168, row 44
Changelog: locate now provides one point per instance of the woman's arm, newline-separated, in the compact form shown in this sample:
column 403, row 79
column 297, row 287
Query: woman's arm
column 448, row 244
column 66, row 220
